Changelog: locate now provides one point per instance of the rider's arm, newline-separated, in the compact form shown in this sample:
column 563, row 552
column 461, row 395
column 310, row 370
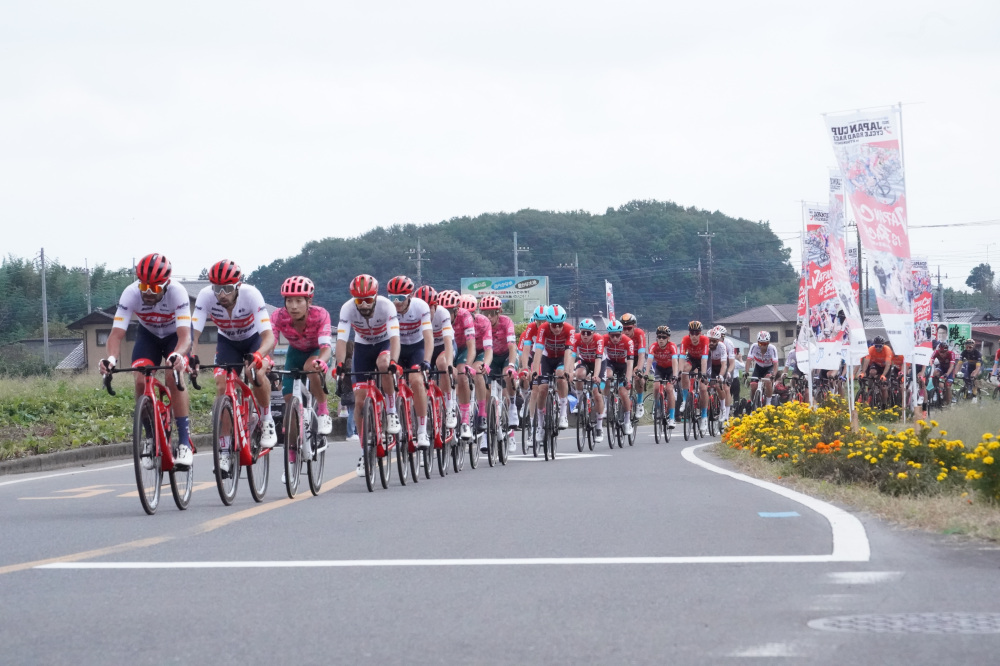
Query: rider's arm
column 114, row 344
column 428, row 344
column 628, row 369
column 183, row 340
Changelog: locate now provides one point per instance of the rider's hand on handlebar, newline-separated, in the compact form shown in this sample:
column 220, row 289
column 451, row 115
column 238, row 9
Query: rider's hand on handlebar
column 107, row 364
column 395, row 368
column 177, row 362
column 321, row 365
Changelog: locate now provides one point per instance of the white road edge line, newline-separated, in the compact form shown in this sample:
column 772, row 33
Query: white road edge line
column 78, row 471
column 850, row 541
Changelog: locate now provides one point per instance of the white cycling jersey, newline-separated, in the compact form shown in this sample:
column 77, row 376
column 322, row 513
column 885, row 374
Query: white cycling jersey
column 718, row 355
column 249, row 314
column 161, row 319
column 382, row 325
column 765, row 359
column 441, row 325
column 414, row 322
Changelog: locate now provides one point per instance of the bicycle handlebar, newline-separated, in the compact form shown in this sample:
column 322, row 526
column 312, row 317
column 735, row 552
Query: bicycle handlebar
column 146, row 370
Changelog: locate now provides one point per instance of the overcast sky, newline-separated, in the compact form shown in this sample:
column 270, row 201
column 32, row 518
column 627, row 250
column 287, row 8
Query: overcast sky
column 246, row 129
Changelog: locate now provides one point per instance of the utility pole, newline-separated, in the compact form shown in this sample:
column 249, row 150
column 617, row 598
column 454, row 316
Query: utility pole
column 518, row 249
column 574, row 308
column 86, row 274
column 711, row 300
column 868, row 300
column 45, row 315
column 419, row 258
column 940, row 295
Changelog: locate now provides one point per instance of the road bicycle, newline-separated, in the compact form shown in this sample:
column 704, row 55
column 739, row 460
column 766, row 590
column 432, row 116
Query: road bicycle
column 442, row 438
column 301, row 429
column 408, row 455
column 614, row 423
column 661, row 413
column 714, row 408
column 236, row 434
column 550, row 426
column 151, row 426
column 376, row 442
column 691, row 409
column 633, row 398
column 586, row 419
column 498, row 432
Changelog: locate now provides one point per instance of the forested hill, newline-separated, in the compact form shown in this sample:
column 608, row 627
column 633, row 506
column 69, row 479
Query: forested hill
column 649, row 250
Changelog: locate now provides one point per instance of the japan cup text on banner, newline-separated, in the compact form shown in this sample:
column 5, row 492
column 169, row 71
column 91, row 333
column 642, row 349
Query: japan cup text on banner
column 609, row 295
column 855, row 341
column 867, row 145
column 823, row 318
column 923, row 333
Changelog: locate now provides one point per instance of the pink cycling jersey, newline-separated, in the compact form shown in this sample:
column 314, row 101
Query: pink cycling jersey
column 317, row 332
column 503, row 334
column 484, row 332
column 463, row 325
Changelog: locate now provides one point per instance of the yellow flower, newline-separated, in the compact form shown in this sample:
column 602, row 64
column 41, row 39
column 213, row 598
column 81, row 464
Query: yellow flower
column 988, row 460
column 902, row 475
column 988, row 435
column 934, row 424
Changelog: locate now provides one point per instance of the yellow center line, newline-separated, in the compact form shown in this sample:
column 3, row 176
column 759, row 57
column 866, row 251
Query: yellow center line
column 203, row 528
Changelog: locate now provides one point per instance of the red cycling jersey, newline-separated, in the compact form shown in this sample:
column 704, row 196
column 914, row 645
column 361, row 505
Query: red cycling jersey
column 528, row 335
column 619, row 351
column 588, row 350
column 662, row 355
column 694, row 352
column 638, row 338
column 554, row 344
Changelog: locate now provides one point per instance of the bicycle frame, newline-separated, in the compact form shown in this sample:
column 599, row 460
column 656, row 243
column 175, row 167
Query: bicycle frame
column 155, row 390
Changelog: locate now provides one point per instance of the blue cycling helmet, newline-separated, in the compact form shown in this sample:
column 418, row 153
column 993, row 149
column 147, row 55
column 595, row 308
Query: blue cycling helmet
column 555, row 314
column 615, row 326
column 538, row 314
column 588, row 325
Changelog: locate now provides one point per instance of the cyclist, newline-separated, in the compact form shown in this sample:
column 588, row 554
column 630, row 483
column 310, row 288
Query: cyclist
column 727, row 391
column 376, row 348
column 694, row 355
column 482, row 360
column 526, row 352
column 972, row 364
column 620, row 352
column 945, row 363
column 164, row 314
column 307, row 329
column 444, row 346
column 239, row 312
column 764, row 357
column 553, row 354
column 877, row 364
column 662, row 363
column 416, row 345
column 464, row 327
column 718, row 370
column 504, row 365
column 588, row 347
column 996, row 365
column 638, row 337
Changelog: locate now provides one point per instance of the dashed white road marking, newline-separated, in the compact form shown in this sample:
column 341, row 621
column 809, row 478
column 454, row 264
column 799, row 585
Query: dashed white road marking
column 768, row 650
column 863, row 577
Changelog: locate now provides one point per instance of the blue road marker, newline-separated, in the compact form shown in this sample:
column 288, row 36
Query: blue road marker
column 778, row 514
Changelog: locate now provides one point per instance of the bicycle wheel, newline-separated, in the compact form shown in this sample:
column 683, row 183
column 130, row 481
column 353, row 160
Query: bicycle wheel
column 293, row 447
column 369, row 445
column 182, row 485
column 491, row 432
column 389, row 443
column 259, row 471
column 534, row 426
column 457, row 454
column 686, row 418
column 550, row 426
column 582, row 416
column 432, row 430
column 224, row 425
column 657, row 413
column 474, row 447
column 148, row 463
column 505, row 435
column 525, row 431
column 403, row 443
column 591, row 424
column 316, row 463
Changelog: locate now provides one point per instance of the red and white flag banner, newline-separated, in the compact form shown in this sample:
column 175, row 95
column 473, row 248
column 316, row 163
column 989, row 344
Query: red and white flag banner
column 923, row 333
column 867, row 145
column 855, row 342
column 610, row 298
column 823, row 331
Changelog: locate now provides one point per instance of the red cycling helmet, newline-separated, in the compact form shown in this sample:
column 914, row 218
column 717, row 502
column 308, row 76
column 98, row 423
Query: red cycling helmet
column 467, row 302
column 448, row 299
column 364, row 286
column 298, row 286
column 427, row 294
column 153, row 269
column 490, row 303
column 400, row 285
column 225, row 272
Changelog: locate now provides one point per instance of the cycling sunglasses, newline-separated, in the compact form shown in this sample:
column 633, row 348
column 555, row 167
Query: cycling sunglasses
column 395, row 298
column 586, row 332
column 615, row 335
column 367, row 300
column 223, row 288
column 555, row 325
column 663, row 337
column 152, row 288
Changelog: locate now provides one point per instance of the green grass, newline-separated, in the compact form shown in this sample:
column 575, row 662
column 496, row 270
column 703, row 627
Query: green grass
column 968, row 422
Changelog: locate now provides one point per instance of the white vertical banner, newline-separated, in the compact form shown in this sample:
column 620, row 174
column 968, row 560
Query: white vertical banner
column 610, row 297
column 923, row 333
column 868, row 147
column 849, row 317
column 822, row 317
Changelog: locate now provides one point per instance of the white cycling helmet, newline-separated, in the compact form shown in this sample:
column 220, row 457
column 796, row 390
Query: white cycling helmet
column 763, row 336
column 714, row 334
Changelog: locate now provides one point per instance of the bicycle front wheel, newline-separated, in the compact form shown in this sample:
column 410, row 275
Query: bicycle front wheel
column 293, row 448
column 145, row 456
column 369, row 444
column 259, row 471
column 505, row 438
column 224, row 451
column 432, row 433
column 492, row 434
column 581, row 423
column 403, row 443
column 412, row 452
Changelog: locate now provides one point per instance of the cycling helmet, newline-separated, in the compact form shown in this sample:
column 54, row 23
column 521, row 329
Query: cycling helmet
column 467, row 302
column 969, row 341
column 714, row 334
column 364, row 286
column 538, row 314
column 298, row 286
column 400, row 285
column 663, row 330
column 490, row 303
column 225, row 272
column 153, row 269
column 722, row 329
column 427, row 294
column 763, row 336
column 627, row 319
column 878, row 341
column 448, row 299
column 694, row 325
column 615, row 326
column 555, row 314
column 588, row 325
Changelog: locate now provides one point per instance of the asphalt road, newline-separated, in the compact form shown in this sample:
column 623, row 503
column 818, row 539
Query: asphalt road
column 633, row 556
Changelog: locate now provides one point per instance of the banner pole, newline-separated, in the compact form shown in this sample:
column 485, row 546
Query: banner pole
column 805, row 319
column 913, row 365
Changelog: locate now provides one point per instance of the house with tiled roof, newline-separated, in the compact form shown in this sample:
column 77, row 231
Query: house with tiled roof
column 778, row 320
